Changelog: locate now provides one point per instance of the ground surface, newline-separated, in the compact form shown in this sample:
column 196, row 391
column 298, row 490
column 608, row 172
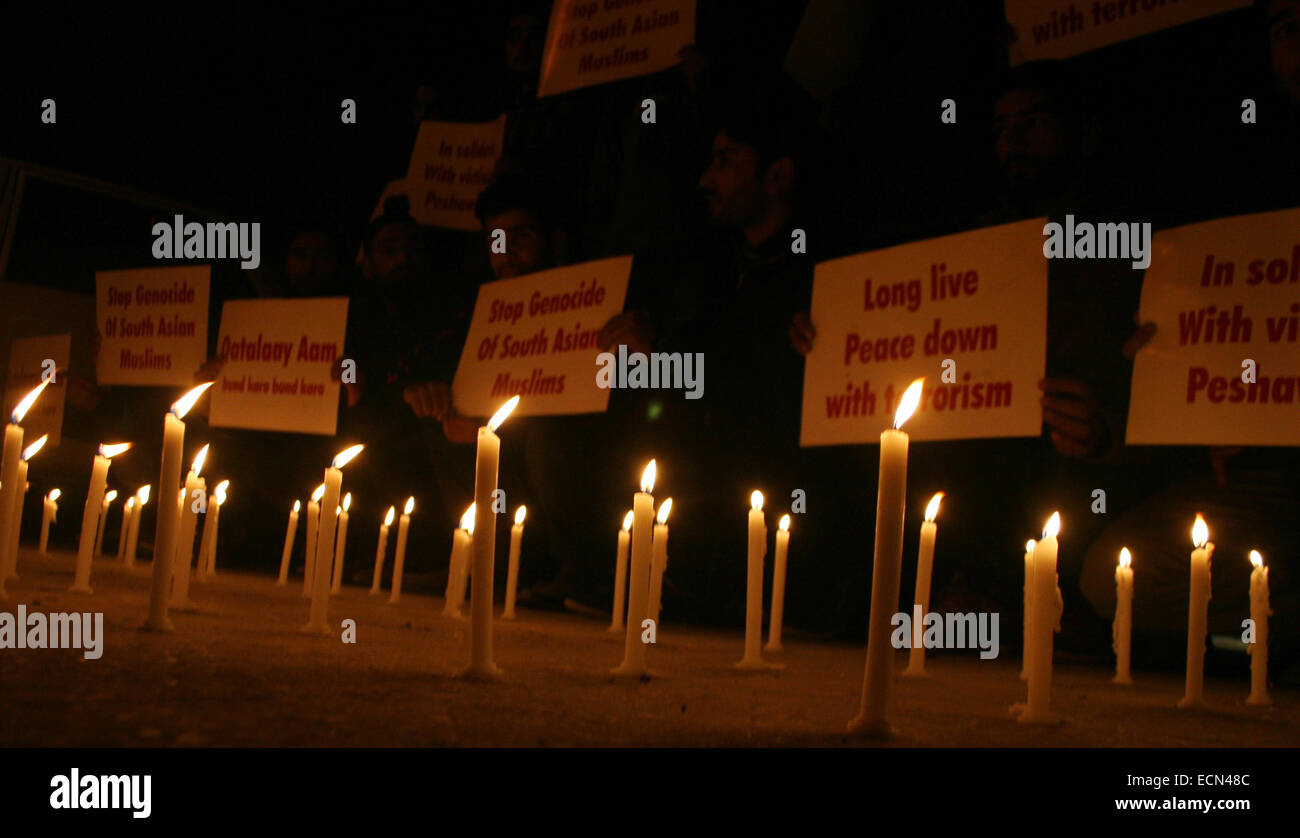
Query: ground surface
column 240, row 672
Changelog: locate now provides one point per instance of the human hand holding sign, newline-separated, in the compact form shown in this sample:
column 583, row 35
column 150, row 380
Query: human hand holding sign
column 802, row 333
column 428, row 399
column 631, row 328
column 354, row 389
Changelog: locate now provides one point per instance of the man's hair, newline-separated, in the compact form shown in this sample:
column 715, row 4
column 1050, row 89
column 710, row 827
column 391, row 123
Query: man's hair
column 774, row 117
column 518, row 192
column 397, row 210
column 1066, row 94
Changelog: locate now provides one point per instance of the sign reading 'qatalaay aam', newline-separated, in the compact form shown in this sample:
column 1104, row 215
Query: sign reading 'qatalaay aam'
column 1224, row 365
column 153, row 325
column 967, row 312
column 535, row 336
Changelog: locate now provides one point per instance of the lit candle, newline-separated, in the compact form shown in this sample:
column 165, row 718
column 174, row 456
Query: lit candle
column 10, row 558
column 921, row 599
column 1123, row 626
column 891, row 500
column 164, row 542
column 325, row 530
column 1029, row 600
column 659, row 560
column 1259, row 613
column 336, row 584
column 133, row 537
column 90, row 515
column 208, row 543
column 512, row 573
column 484, row 546
column 196, row 490
column 757, row 550
column 620, row 573
column 643, row 510
column 290, row 531
column 103, row 518
column 9, row 485
column 313, row 521
column 1198, row 608
column 399, row 553
column 128, row 512
column 1045, row 620
column 382, row 548
column 49, row 516
column 778, row 586
column 458, row 567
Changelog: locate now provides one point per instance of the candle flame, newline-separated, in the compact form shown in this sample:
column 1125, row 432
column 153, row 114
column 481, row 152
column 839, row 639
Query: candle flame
column 1200, row 532
column 114, row 449
column 756, row 501
column 648, row 477
column 347, row 501
column 345, row 456
column 111, row 496
column 20, row 409
column 627, row 520
column 338, row 510
column 182, row 405
column 392, row 513
column 221, row 491
column 410, row 505
column 199, row 459
column 1030, row 545
column 1256, row 559
column 500, row 415
column 520, row 514
column 908, row 403
column 467, row 520
column 130, row 502
column 785, row 523
column 297, row 506
column 30, row 451
column 1125, row 558
column 1053, row 526
column 143, row 493
column 318, row 494
column 54, row 494
column 932, row 511
column 664, row 509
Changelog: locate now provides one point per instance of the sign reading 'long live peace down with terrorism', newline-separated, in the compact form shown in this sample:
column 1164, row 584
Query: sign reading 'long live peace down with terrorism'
column 450, row 165
column 1224, row 365
column 1062, row 28
column 595, row 41
column 153, row 325
column 966, row 312
column 278, row 357
column 535, row 336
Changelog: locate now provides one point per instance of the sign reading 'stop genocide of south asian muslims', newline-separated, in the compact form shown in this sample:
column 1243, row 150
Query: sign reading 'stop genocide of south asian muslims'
column 1056, row 29
column 32, row 360
column 535, row 336
column 596, row 41
column 278, row 358
column 966, row 312
column 152, row 324
column 450, row 165
column 1224, row 365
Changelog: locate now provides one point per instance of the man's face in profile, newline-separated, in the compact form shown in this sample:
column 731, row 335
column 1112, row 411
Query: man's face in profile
column 1035, row 143
column 731, row 183
column 398, row 255
column 1284, row 47
column 528, row 248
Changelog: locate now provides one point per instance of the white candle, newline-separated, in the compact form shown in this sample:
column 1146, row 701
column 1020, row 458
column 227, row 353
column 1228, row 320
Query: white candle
column 1045, row 620
column 1259, row 613
column 757, row 550
column 381, row 549
column 775, row 619
column 658, row 561
column 1029, row 601
column 512, row 573
column 49, row 516
column 1198, row 612
column 164, row 543
column 643, row 510
column 103, row 521
column 1123, row 627
column 10, row 558
column 891, row 501
column 196, row 490
column 399, row 553
column 290, row 531
column 13, row 449
column 313, row 524
column 921, row 598
column 336, row 584
column 123, row 531
column 90, row 515
column 208, row 543
column 620, row 574
column 484, row 546
column 325, row 530
column 458, row 566
column 133, row 537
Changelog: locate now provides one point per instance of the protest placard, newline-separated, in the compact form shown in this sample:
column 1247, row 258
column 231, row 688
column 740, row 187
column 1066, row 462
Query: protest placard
column 29, row 363
column 1224, row 365
column 596, row 41
column 967, row 312
column 278, row 355
column 1051, row 29
column 535, row 336
column 152, row 324
column 450, row 165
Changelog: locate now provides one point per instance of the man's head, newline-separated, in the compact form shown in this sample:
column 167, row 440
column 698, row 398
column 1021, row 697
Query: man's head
column 534, row 241
column 1045, row 133
column 312, row 265
column 396, row 247
column 1284, row 47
